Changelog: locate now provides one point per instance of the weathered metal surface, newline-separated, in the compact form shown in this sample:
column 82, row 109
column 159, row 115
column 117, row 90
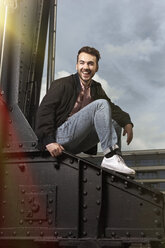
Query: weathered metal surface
column 71, row 200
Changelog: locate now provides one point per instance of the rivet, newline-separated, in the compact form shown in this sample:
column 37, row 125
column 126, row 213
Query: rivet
column 14, row 233
column 23, row 191
column 98, row 173
column 98, row 202
column 98, row 187
column 21, row 211
column 112, row 178
column 50, row 222
column 127, row 234
column 4, row 202
column 157, row 211
column 50, row 211
column 85, row 167
column 85, row 193
column 84, row 233
column 21, row 222
column 70, row 233
column 84, row 206
column 5, row 187
column 1, row 233
column 50, row 200
column 20, row 145
column 156, row 198
column 158, row 235
column 84, row 219
column 140, row 190
column 71, row 161
column 40, row 222
column 21, row 167
column 27, row 233
column 113, row 234
column 126, row 184
column 56, row 234
column 41, row 234
column 157, row 223
column 142, row 234
column 56, row 165
column 33, row 144
column 85, row 180
column 30, row 222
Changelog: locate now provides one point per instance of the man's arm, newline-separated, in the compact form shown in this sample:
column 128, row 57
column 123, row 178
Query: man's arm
column 46, row 116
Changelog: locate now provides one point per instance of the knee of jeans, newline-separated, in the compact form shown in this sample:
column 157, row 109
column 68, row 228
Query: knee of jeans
column 103, row 103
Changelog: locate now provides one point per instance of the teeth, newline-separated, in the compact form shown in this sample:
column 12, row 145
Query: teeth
column 85, row 72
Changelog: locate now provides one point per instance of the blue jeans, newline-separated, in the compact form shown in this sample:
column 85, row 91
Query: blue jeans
column 87, row 127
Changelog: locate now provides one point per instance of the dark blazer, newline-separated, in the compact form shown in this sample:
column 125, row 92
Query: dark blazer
column 59, row 102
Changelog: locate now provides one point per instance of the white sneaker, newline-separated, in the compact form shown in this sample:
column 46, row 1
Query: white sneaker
column 116, row 163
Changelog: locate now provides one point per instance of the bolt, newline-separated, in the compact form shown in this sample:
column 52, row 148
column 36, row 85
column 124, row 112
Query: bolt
column 142, row 234
column 98, row 187
column 98, row 202
column 21, row 222
column 157, row 211
column 84, row 219
column 126, row 184
column 85, row 180
column 113, row 234
column 112, row 178
column 84, row 206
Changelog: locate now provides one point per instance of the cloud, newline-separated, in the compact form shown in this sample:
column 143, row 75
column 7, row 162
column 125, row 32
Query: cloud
column 61, row 74
column 137, row 49
column 111, row 92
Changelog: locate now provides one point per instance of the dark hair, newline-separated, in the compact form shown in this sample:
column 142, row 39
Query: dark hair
column 89, row 50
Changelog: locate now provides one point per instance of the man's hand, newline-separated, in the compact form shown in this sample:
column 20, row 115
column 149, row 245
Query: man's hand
column 55, row 149
column 129, row 131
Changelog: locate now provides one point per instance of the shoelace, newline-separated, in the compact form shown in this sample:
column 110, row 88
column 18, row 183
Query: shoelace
column 120, row 159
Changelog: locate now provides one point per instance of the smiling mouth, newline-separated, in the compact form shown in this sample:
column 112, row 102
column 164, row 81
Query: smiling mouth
column 86, row 72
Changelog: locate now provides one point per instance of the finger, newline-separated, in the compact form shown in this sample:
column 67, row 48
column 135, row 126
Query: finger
column 62, row 148
column 129, row 139
column 124, row 132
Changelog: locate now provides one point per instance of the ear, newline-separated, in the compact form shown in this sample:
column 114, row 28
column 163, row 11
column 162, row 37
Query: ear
column 76, row 66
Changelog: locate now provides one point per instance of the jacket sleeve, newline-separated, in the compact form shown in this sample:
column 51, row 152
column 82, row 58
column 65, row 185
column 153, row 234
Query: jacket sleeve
column 46, row 115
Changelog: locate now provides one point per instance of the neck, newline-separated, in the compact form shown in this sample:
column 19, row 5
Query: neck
column 87, row 83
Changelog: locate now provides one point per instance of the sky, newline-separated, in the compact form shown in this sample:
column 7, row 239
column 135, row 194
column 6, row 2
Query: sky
column 130, row 36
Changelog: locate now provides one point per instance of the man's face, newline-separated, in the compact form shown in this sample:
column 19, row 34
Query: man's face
column 86, row 67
